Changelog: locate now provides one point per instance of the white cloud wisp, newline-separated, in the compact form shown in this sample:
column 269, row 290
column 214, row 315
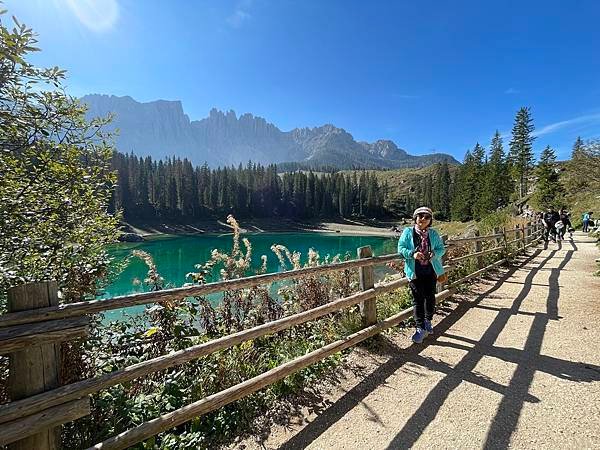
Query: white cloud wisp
column 588, row 120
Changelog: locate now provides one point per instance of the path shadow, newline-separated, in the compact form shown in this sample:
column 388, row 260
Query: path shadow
column 429, row 408
column 400, row 356
column 528, row 362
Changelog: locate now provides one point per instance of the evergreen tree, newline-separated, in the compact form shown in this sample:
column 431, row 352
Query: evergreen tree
column 436, row 189
column 418, row 195
column 549, row 192
column 576, row 166
column 585, row 165
column 372, row 195
column 484, row 200
column 501, row 183
column 521, row 150
column 342, row 196
column 466, row 186
column 362, row 193
column 476, row 180
column 496, row 180
column 578, row 148
column 427, row 183
column 299, row 194
column 441, row 191
column 349, row 199
column 310, row 195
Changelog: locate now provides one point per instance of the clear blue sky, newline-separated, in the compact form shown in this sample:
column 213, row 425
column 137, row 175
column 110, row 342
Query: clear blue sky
column 435, row 75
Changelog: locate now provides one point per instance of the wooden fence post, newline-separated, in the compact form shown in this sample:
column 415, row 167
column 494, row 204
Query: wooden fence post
column 517, row 235
column 529, row 229
column 35, row 369
column 478, row 248
column 368, row 308
column 498, row 230
column 523, row 235
column 439, row 287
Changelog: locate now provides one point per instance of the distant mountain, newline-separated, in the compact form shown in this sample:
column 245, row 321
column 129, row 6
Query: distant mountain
column 162, row 129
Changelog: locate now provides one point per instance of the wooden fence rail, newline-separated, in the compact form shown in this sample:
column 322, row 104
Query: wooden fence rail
column 97, row 306
column 32, row 418
column 215, row 401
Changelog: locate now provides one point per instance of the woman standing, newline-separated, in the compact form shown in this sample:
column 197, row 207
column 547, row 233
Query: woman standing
column 422, row 249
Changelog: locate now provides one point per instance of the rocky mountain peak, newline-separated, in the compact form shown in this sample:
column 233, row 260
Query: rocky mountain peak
column 161, row 128
column 385, row 149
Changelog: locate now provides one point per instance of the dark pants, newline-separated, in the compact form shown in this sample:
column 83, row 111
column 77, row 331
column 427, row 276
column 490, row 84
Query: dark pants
column 586, row 224
column 423, row 292
column 550, row 233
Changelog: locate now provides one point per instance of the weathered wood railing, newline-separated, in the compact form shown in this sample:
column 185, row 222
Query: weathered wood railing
column 35, row 324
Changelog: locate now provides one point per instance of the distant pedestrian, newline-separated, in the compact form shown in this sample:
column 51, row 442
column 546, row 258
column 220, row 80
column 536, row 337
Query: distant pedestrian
column 586, row 221
column 422, row 249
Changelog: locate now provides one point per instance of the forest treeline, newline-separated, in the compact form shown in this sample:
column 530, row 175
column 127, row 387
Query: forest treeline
column 175, row 190
column 488, row 180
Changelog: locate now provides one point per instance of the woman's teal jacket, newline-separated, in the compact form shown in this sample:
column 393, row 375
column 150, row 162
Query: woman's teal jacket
column 406, row 249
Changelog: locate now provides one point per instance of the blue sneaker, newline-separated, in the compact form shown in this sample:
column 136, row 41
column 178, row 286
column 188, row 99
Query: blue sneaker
column 428, row 327
column 419, row 335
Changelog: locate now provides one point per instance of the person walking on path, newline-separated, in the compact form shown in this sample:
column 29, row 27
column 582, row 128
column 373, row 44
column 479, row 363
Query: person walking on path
column 549, row 219
column 585, row 219
column 564, row 218
column 422, row 249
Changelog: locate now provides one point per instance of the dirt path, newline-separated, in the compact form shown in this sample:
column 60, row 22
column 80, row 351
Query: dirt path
column 514, row 365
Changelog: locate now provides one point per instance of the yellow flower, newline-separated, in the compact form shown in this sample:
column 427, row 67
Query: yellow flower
column 151, row 331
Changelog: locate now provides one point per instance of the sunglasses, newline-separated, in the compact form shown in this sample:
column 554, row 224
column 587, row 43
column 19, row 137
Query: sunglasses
column 424, row 216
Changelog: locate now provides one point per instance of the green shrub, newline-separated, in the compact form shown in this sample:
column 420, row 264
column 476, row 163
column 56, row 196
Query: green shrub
column 172, row 326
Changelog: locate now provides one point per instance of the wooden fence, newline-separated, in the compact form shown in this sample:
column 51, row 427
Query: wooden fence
column 35, row 325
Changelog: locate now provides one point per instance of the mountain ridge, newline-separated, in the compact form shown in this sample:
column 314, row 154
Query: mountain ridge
column 161, row 129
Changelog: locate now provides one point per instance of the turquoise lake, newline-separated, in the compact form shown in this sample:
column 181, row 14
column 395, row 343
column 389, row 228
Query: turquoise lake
column 175, row 256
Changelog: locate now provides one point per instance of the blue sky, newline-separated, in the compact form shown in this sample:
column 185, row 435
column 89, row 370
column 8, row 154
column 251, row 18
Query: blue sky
column 430, row 75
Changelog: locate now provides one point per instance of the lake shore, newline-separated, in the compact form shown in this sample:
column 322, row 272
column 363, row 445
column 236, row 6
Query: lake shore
column 344, row 226
column 349, row 227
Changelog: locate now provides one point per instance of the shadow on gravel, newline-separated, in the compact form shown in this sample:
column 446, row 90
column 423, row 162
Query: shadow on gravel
column 528, row 361
column 430, row 407
column 400, row 356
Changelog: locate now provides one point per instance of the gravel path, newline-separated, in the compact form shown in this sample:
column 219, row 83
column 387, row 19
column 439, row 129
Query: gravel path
column 515, row 364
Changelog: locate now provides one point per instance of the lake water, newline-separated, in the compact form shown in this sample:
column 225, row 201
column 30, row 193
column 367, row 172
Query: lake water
column 175, row 256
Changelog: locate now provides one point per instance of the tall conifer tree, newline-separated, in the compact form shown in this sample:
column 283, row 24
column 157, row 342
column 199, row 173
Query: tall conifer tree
column 549, row 191
column 521, row 150
column 464, row 190
column 497, row 184
column 441, row 191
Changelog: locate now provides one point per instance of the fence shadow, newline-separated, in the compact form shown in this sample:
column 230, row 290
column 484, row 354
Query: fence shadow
column 528, row 361
column 430, row 407
column 399, row 356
